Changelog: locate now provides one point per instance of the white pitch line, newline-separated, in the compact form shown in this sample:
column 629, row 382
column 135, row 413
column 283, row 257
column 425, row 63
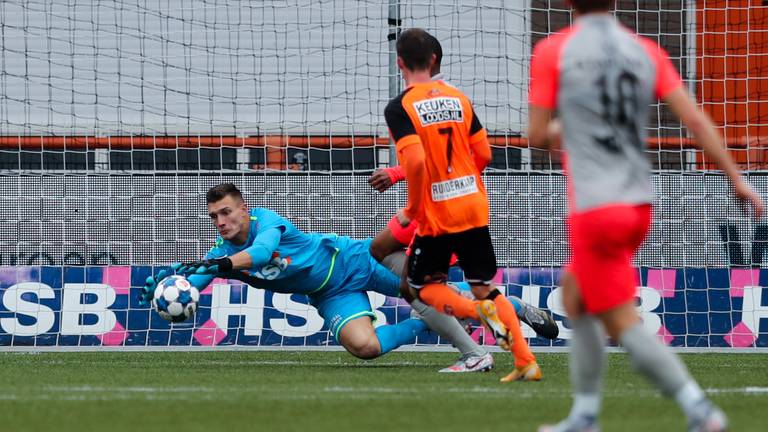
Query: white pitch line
column 745, row 390
column 511, row 392
column 97, row 389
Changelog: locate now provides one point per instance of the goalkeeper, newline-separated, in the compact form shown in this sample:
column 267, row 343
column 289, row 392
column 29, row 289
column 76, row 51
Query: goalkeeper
column 265, row 250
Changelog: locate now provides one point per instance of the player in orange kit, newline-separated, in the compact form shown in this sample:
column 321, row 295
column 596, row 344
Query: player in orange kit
column 443, row 147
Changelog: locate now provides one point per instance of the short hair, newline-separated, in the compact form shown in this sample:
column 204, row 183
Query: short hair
column 585, row 6
column 437, row 49
column 415, row 48
column 221, row 191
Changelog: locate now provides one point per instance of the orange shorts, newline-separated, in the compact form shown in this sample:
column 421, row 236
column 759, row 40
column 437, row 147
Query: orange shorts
column 603, row 242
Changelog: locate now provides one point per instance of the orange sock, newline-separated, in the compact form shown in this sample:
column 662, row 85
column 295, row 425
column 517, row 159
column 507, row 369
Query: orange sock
column 448, row 301
column 521, row 350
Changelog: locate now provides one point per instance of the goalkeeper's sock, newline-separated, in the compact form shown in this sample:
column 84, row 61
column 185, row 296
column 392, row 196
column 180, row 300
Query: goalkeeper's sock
column 661, row 366
column 516, row 303
column 402, row 333
column 587, row 361
column 507, row 314
column 449, row 328
column 448, row 301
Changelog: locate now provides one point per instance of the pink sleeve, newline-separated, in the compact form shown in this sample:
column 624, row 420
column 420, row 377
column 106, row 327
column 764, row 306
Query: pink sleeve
column 544, row 63
column 667, row 78
column 395, row 173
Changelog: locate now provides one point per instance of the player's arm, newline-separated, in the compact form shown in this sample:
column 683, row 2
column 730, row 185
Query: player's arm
column 413, row 160
column 669, row 88
column 260, row 252
column 700, row 125
column 383, row 178
column 478, row 143
column 410, row 153
column 256, row 255
column 201, row 281
column 543, row 132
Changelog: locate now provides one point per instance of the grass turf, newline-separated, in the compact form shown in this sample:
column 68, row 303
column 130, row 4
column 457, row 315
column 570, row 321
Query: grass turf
column 332, row 391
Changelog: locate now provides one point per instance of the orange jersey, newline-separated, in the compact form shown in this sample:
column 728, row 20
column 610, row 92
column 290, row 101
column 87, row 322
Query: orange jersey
column 439, row 118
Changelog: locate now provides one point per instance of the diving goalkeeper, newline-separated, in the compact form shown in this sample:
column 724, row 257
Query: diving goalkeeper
column 265, row 250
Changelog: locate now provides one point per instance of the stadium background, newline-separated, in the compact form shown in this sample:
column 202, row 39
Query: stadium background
column 116, row 118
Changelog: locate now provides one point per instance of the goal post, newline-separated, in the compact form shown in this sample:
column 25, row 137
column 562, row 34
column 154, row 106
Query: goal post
column 115, row 118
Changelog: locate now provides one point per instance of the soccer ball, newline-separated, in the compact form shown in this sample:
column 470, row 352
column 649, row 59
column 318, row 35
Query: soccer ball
column 175, row 299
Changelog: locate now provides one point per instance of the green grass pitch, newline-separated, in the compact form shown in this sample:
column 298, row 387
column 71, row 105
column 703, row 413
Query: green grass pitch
column 332, row 391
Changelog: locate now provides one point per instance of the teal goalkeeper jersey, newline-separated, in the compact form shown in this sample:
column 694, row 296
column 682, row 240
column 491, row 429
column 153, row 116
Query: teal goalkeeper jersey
column 302, row 263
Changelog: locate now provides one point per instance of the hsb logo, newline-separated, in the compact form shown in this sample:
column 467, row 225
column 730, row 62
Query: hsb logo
column 276, row 266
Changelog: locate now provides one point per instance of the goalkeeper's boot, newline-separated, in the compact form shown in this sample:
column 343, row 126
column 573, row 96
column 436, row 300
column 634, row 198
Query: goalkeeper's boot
column 540, row 321
column 573, row 424
column 471, row 363
column 486, row 311
column 529, row 372
column 711, row 419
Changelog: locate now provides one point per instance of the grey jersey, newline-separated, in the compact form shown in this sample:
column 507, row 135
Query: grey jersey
column 606, row 79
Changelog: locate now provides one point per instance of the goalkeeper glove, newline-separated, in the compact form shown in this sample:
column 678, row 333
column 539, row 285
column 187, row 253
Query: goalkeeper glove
column 213, row 266
column 148, row 290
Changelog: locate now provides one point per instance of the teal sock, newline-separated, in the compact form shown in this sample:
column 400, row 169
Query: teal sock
column 462, row 286
column 402, row 333
column 516, row 302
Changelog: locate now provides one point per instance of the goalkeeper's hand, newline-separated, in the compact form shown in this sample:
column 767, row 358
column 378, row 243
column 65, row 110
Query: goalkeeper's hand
column 148, row 290
column 213, row 266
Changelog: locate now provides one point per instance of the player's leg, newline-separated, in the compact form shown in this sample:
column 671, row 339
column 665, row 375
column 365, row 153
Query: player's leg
column 587, row 362
column 662, row 367
column 393, row 238
column 358, row 337
column 395, row 233
column 474, row 358
column 427, row 273
column 599, row 277
column 537, row 319
column 476, row 257
column 648, row 354
column 349, row 317
column 603, row 242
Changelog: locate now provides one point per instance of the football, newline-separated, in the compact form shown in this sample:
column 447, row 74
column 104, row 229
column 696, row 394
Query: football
column 175, row 299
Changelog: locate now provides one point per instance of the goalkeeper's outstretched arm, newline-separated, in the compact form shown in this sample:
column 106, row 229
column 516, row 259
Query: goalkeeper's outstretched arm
column 256, row 255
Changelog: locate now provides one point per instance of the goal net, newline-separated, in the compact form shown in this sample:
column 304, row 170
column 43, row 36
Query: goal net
column 116, row 117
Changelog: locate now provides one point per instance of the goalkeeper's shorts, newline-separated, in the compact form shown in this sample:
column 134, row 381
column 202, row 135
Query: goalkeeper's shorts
column 345, row 297
column 603, row 241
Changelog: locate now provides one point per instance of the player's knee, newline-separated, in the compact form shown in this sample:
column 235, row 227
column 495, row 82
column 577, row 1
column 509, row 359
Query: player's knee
column 378, row 250
column 359, row 339
column 571, row 298
column 364, row 349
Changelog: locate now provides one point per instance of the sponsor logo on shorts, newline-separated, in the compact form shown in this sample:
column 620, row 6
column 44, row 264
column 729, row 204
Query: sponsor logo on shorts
column 335, row 321
column 439, row 110
column 449, row 189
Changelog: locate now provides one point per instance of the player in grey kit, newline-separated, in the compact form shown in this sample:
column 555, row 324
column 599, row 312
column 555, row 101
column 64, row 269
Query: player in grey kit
column 601, row 79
